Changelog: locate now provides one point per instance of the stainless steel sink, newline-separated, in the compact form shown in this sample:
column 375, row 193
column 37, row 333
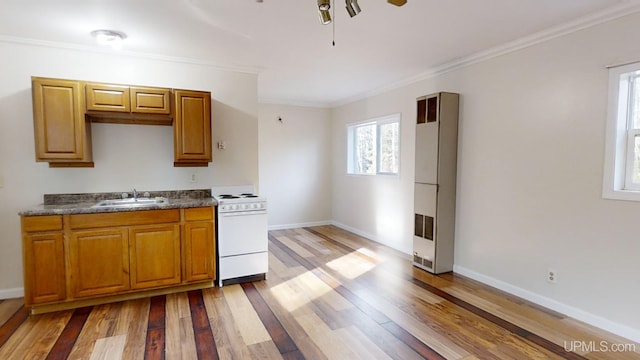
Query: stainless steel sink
column 123, row 203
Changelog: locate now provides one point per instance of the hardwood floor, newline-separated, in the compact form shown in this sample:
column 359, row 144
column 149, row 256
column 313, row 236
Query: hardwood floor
column 329, row 295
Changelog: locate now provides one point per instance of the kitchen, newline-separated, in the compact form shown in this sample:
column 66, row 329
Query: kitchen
column 259, row 150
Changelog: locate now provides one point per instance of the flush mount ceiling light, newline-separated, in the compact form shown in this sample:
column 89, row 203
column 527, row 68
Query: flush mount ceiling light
column 109, row 38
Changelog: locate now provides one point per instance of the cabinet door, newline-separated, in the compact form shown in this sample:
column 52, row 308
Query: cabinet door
column 198, row 251
column 192, row 128
column 61, row 133
column 44, row 268
column 99, row 262
column 107, row 97
column 155, row 256
column 150, row 100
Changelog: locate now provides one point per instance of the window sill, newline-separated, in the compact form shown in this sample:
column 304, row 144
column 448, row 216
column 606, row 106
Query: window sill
column 383, row 175
column 627, row 195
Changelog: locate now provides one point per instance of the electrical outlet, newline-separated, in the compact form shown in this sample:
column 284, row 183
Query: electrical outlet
column 552, row 276
column 194, row 177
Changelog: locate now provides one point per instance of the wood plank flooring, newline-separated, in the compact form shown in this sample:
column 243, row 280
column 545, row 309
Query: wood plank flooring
column 329, row 294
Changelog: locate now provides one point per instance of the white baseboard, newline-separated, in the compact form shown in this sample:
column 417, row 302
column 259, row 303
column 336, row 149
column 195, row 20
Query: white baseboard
column 369, row 236
column 299, row 225
column 11, row 293
column 578, row 314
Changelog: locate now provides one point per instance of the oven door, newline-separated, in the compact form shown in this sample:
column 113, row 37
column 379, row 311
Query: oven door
column 242, row 232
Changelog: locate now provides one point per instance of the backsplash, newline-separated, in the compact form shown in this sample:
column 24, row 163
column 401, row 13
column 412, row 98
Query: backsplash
column 61, row 199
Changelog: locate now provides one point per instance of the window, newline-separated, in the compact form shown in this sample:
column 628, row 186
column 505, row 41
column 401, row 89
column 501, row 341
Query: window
column 622, row 156
column 373, row 147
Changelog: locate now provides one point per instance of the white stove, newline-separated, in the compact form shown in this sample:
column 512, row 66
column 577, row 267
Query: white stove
column 242, row 234
column 241, row 202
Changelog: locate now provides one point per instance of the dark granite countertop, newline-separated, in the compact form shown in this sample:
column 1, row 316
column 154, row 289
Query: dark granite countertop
column 61, row 204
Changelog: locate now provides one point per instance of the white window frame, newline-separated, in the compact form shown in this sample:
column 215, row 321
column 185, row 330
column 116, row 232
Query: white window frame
column 378, row 122
column 618, row 162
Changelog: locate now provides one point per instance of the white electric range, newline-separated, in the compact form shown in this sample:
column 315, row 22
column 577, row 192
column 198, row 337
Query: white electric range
column 242, row 234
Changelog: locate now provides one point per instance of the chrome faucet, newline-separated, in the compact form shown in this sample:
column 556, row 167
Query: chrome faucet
column 135, row 194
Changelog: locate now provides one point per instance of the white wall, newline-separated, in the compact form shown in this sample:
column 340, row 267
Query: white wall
column 124, row 155
column 295, row 170
column 375, row 207
column 530, row 163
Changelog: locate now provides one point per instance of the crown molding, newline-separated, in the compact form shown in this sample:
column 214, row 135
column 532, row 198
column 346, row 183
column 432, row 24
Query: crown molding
column 628, row 7
column 275, row 101
column 125, row 53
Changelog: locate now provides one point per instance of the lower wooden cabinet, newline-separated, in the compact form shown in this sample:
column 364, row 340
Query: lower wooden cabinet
column 44, row 267
column 155, row 256
column 99, row 262
column 74, row 260
column 198, row 264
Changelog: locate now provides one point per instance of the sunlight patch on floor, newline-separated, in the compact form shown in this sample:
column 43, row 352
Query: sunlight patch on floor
column 350, row 266
column 299, row 291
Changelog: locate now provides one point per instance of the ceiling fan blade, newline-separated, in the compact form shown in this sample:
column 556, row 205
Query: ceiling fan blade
column 397, row 2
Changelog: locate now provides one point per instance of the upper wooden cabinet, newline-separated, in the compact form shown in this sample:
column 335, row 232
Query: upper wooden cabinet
column 146, row 100
column 64, row 109
column 106, row 97
column 62, row 136
column 192, row 128
column 128, row 99
column 128, row 104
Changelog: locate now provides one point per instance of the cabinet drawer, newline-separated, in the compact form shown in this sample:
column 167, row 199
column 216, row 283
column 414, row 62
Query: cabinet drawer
column 105, row 97
column 198, row 214
column 117, row 219
column 41, row 223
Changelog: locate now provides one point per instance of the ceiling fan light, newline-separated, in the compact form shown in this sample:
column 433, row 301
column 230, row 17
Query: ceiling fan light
column 353, row 8
column 325, row 17
column 324, row 5
column 397, row 2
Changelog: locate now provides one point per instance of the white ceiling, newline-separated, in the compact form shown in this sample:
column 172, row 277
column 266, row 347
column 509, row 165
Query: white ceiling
column 283, row 41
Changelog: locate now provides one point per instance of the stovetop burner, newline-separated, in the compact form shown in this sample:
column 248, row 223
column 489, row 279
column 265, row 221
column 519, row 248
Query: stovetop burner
column 249, row 195
column 227, row 196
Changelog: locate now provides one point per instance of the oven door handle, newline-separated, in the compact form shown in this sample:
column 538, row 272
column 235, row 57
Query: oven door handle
column 243, row 213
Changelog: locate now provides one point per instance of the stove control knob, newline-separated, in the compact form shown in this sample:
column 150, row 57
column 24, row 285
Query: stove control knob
column 223, row 207
column 244, row 206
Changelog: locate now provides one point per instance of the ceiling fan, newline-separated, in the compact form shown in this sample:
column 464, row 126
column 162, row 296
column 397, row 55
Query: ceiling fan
column 352, row 8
